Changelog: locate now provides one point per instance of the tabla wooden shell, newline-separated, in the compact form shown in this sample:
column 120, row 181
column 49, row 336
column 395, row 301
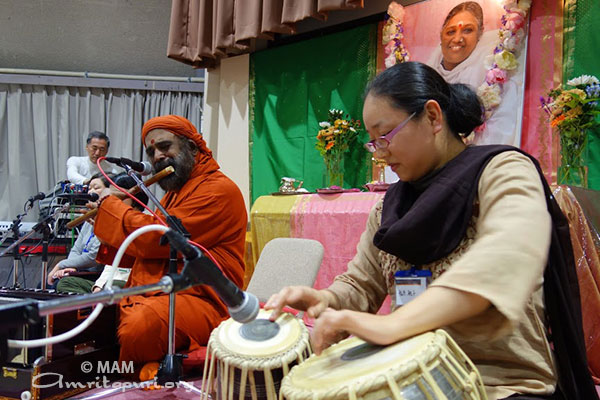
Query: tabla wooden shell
column 427, row 366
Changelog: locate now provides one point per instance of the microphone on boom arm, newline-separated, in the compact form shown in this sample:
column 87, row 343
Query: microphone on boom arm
column 142, row 167
column 199, row 269
column 39, row 196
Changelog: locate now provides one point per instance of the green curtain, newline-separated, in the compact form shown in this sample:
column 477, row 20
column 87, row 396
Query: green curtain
column 292, row 87
column 581, row 44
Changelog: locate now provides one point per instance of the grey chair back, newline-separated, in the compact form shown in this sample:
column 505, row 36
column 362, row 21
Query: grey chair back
column 285, row 262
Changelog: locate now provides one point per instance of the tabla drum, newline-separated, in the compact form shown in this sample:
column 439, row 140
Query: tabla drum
column 424, row 367
column 248, row 361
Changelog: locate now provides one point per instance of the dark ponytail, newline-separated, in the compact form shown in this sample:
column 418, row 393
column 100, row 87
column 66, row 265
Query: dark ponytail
column 408, row 86
column 465, row 112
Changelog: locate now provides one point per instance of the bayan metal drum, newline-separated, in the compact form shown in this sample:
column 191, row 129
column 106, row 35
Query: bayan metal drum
column 252, row 359
column 427, row 366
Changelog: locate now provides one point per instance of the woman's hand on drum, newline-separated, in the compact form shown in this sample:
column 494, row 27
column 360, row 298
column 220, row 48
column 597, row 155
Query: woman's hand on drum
column 303, row 298
column 329, row 328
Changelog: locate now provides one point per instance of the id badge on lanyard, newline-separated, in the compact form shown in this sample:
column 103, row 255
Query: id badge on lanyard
column 410, row 284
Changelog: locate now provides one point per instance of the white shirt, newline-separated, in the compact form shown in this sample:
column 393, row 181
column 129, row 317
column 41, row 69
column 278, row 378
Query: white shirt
column 81, row 168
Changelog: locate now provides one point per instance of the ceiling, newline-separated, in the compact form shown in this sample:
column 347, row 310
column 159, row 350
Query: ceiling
column 107, row 36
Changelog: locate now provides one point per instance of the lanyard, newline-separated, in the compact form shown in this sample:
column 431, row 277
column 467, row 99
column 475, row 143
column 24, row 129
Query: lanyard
column 85, row 247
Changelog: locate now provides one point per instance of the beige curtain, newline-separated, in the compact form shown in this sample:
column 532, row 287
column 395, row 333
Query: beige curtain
column 204, row 31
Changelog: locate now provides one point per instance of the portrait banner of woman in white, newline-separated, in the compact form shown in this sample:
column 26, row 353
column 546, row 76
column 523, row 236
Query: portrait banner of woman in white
column 459, row 39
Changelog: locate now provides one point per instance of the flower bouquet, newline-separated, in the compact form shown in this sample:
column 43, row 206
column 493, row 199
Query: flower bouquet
column 573, row 111
column 333, row 140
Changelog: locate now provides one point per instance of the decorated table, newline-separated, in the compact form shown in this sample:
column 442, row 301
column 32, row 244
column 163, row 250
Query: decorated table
column 336, row 220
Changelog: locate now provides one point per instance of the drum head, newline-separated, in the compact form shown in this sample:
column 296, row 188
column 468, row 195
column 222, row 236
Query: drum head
column 352, row 362
column 261, row 338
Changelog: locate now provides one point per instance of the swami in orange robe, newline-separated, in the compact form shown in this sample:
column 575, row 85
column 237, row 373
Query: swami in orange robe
column 212, row 209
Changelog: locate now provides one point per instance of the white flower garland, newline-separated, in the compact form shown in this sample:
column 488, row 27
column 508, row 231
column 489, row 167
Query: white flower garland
column 503, row 60
column 392, row 36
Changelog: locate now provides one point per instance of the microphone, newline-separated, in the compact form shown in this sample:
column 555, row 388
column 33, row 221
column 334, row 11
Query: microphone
column 39, row 196
column 93, row 196
column 199, row 269
column 143, row 168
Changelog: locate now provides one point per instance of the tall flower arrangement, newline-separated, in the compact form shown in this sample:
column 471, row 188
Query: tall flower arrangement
column 573, row 110
column 333, row 140
column 393, row 34
column 504, row 58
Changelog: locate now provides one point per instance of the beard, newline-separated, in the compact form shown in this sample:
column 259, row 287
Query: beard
column 183, row 163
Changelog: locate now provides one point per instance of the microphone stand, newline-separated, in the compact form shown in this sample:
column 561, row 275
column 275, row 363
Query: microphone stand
column 15, row 246
column 16, row 251
column 171, row 369
column 44, row 227
column 41, row 227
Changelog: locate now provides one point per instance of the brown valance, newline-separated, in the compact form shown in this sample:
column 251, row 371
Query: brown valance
column 204, row 31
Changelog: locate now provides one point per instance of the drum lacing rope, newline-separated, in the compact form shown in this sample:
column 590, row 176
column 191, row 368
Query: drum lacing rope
column 258, row 363
column 476, row 387
column 225, row 357
column 393, row 386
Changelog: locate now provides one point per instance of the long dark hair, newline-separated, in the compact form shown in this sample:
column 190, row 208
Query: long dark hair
column 126, row 182
column 408, row 86
column 99, row 175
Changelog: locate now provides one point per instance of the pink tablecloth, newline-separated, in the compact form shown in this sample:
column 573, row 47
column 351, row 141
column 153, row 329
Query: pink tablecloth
column 337, row 221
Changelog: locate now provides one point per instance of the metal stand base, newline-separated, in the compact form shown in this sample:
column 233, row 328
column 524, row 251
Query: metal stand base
column 171, row 369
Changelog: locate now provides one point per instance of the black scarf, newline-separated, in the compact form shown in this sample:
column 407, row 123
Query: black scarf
column 424, row 221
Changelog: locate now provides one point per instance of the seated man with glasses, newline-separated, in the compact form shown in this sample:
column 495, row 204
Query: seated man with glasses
column 81, row 169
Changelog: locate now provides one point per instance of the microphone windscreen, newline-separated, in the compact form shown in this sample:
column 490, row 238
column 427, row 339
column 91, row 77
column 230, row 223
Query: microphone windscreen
column 147, row 168
column 93, row 196
column 247, row 311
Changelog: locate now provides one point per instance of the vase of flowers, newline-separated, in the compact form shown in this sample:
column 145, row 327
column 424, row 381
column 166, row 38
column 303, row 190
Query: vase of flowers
column 333, row 140
column 573, row 110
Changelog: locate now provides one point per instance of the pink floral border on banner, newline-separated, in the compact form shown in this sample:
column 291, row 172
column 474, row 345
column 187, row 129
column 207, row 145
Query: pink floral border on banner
column 544, row 72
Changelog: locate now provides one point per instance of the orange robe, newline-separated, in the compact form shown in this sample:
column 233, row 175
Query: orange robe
column 212, row 209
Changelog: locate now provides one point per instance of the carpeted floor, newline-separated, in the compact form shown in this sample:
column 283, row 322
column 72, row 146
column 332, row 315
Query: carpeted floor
column 165, row 393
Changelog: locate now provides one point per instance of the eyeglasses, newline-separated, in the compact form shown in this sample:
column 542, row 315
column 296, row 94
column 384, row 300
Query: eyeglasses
column 384, row 141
